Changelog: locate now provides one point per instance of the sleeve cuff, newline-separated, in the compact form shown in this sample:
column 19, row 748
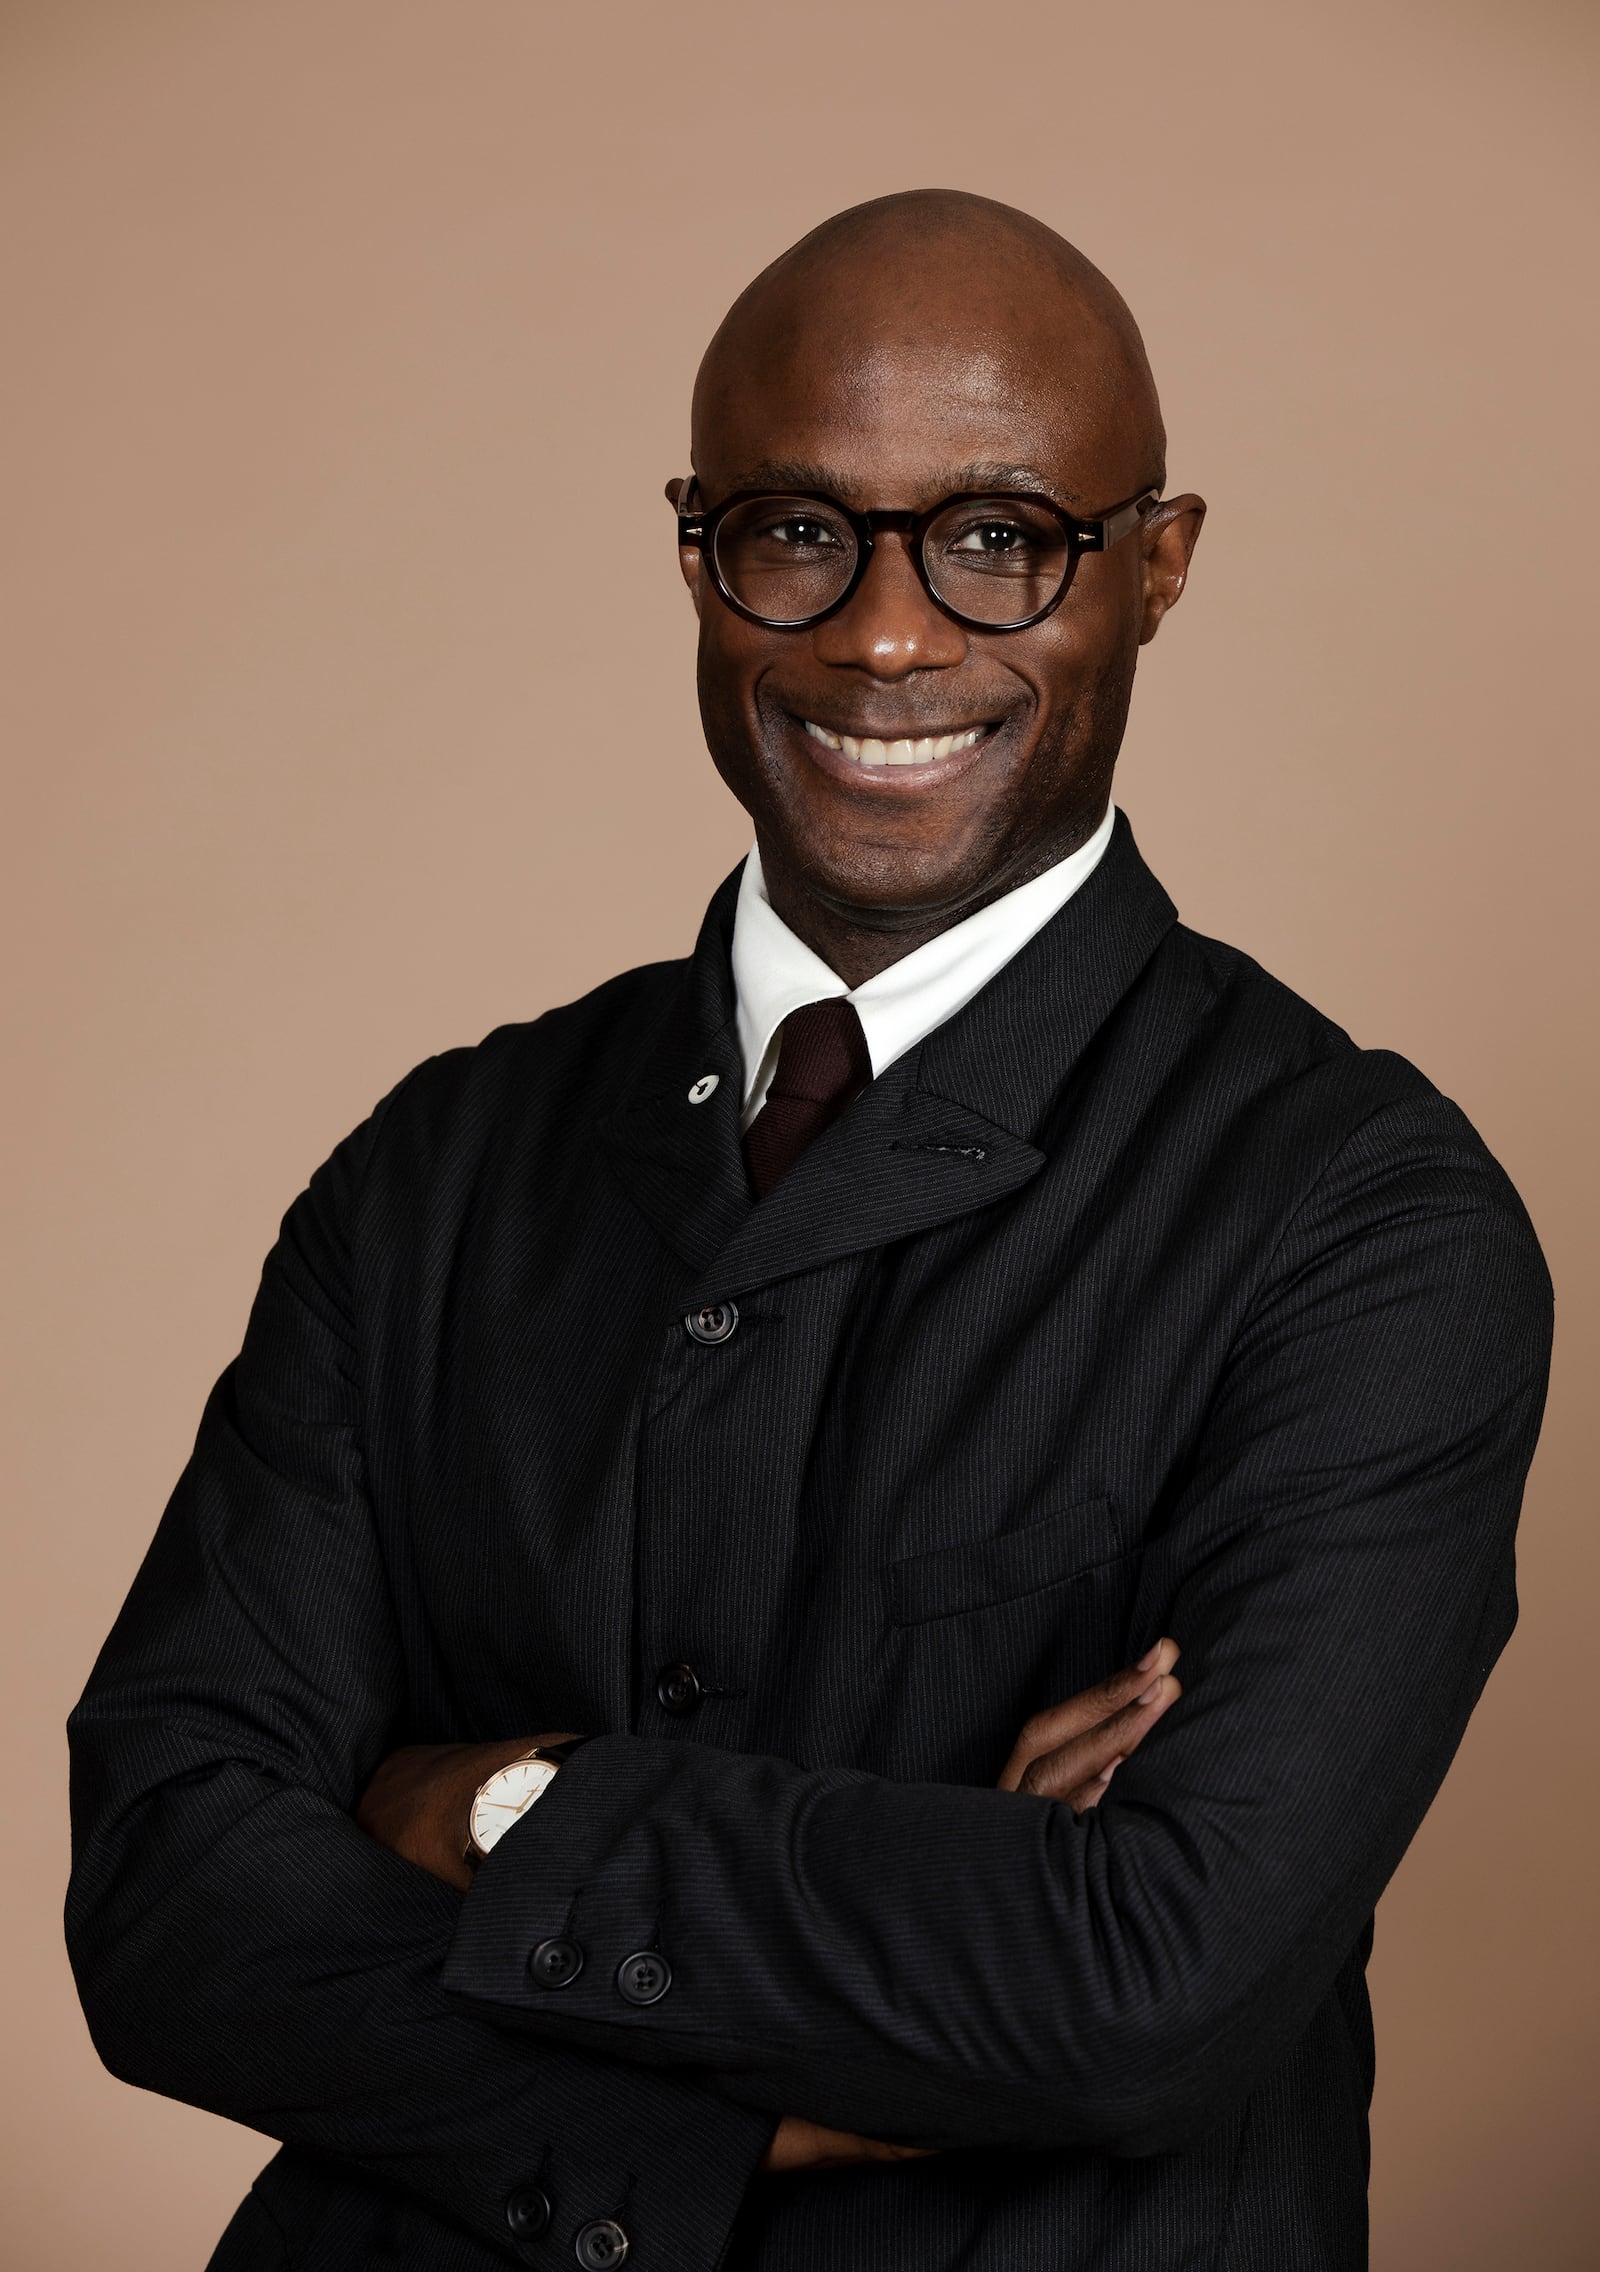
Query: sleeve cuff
column 657, row 2154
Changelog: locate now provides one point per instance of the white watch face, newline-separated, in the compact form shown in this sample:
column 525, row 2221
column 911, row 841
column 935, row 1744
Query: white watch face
column 506, row 1797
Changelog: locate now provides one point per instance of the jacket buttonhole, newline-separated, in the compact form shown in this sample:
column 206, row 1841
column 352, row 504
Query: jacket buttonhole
column 951, row 1151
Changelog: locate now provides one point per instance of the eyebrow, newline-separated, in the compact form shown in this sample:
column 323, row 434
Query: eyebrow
column 947, row 481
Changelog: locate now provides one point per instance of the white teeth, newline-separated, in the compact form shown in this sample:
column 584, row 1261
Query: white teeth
column 925, row 750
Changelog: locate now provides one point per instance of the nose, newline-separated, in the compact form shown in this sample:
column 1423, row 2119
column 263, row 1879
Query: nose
column 891, row 627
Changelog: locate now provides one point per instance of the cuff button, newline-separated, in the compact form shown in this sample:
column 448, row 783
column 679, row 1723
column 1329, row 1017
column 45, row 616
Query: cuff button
column 601, row 2245
column 555, row 1964
column 644, row 1977
column 527, row 2212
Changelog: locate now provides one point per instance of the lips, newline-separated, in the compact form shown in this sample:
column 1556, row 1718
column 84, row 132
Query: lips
column 905, row 749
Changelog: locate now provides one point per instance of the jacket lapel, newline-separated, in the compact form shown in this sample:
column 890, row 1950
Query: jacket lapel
column 948, row 1128
column 1010, row 1050
column 681, row 1163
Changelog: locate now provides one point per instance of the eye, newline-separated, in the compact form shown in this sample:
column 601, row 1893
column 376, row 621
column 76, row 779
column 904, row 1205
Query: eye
column 802, row 532
column 994, row 539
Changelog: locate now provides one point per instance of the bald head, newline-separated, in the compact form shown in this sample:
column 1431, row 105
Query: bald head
column 983, row 297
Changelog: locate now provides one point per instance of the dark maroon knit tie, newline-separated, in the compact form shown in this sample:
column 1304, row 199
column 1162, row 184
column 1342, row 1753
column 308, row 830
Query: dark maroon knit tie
column 823, row 1062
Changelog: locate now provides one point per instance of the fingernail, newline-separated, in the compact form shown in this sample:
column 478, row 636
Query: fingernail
column 1150, row 1694
column 1148, row 1659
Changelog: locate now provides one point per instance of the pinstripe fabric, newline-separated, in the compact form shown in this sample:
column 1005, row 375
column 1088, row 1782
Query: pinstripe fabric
column 1133, row 1300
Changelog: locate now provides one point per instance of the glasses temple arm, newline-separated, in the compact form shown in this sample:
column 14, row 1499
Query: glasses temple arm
column 1099, row 536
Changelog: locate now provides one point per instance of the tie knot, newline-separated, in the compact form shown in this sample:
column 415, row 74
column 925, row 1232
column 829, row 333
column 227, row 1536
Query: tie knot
column 822, row 1054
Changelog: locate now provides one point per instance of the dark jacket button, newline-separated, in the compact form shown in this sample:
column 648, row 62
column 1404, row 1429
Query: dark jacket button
column 678, row 1689
column 713, row 1323
column 644, row 1977
column 527, row 2212
column 554, row 1964
column 601, row 2245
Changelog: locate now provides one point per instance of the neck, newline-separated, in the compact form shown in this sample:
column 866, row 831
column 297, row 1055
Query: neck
column 859, row 940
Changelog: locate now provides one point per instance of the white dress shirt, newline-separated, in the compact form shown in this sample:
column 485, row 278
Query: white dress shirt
column 774, row 972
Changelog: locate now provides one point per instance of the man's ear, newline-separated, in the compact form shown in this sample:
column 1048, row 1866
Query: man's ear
column 688, row 554
column 1171, row 532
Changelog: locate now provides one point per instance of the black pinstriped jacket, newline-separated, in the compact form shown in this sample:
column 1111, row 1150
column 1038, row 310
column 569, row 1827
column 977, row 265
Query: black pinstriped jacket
column 1135, row 1299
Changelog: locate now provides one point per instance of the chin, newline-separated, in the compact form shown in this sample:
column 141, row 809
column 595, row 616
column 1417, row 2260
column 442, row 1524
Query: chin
column 889, row 883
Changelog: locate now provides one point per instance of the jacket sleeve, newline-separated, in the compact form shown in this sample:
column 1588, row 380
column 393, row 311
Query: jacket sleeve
column 237, row 1941
column 954, row 1966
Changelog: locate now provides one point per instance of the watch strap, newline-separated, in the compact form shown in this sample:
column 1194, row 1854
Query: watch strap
column 559, row 1752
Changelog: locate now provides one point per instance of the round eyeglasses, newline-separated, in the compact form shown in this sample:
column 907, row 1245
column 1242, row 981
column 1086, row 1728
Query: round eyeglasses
column 992, row 559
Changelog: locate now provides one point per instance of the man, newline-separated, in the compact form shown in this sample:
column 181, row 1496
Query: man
column 833, row 1377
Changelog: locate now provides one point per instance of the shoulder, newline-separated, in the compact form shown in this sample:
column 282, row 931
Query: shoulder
column 1355, row 1142
column 1273, row 1052
column 1382, row 1159
column 559, row 1072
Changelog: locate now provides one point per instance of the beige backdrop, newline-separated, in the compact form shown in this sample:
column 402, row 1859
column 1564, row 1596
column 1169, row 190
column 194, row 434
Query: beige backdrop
column 326, row 324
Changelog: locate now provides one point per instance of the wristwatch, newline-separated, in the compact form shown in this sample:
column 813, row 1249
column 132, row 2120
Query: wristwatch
column 505, row 1796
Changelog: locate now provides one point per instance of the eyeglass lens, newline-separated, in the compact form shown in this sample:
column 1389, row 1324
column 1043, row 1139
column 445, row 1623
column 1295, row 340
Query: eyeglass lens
column 992, row 560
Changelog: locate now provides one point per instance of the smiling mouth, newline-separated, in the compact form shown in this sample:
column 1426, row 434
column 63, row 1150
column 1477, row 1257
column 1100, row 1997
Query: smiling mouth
column 924, row 749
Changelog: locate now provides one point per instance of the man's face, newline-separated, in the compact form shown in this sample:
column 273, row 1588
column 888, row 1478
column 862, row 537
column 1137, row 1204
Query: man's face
column 896, row 420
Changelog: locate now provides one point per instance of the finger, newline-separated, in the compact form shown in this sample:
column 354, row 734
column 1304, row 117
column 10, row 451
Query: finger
column 800, row 2144
column 1059, row 1723
column 1062, row 1723
column 1057, row 1773
column 1090, row 1794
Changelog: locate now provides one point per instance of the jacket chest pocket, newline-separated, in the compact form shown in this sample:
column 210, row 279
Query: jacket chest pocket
column 990, row 1631
column 983, row 1573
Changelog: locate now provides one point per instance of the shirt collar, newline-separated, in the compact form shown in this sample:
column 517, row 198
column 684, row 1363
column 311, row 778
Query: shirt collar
column 775, row 972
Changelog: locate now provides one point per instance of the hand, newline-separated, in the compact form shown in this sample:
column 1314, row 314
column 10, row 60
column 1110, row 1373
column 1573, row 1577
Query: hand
column 420, row 1799
column 1072, row 1750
